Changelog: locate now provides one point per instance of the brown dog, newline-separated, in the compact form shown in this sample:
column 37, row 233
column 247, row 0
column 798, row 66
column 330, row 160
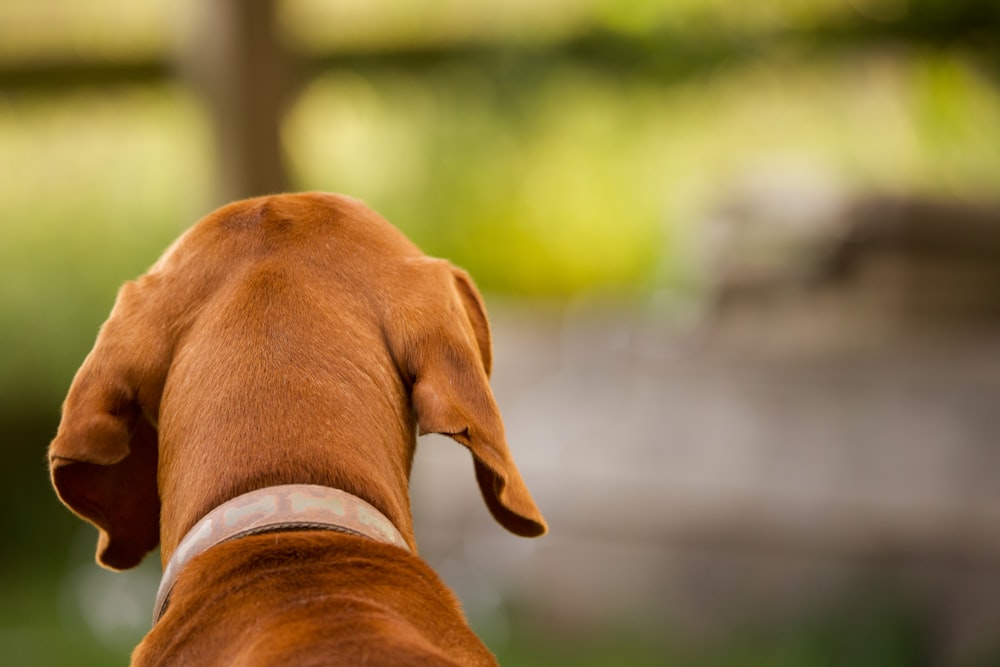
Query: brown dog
column 293, row 339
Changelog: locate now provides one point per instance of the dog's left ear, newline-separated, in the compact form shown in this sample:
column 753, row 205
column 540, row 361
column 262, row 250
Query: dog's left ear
column 450, row 366
column 103, row 459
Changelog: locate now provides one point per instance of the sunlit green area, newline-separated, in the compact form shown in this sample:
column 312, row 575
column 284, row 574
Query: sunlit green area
column 576, row 150
column 70, row 232
column 573, row 181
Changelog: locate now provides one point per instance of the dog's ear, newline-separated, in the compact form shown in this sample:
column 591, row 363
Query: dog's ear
column 103, row 459
column 451, row 396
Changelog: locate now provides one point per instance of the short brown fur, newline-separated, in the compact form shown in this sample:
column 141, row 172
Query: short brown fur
column 292, row 339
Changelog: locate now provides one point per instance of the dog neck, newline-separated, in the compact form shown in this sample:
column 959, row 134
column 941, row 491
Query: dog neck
column 274, row 509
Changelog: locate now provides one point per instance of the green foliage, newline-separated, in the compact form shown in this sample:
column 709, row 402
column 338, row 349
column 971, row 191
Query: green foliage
column 531, row 196
column 95, row 186
column 568, row 179
column 550, row 182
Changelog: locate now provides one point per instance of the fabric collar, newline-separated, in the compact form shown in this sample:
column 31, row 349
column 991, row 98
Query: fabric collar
column 272, row 509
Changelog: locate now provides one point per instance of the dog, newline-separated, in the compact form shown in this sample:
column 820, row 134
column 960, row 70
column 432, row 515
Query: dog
column 252, row 404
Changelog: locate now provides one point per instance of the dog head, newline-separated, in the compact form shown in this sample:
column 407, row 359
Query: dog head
column 104, row 458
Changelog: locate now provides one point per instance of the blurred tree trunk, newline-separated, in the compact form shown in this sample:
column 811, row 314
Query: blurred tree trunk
column 243, row 74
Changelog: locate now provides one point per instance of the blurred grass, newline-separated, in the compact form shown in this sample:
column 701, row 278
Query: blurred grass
column 34, row 631
column 863, row 633
column 39, row 625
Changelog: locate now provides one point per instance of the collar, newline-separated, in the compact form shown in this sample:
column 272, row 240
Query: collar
column 272, row 509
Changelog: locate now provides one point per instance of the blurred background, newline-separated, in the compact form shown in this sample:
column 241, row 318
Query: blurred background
column 742, row 263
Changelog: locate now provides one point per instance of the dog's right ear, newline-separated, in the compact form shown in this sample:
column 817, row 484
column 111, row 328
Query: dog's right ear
column 103, row 459
column 451, row 395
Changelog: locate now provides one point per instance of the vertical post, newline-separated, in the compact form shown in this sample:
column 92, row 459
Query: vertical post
column 237, row 63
